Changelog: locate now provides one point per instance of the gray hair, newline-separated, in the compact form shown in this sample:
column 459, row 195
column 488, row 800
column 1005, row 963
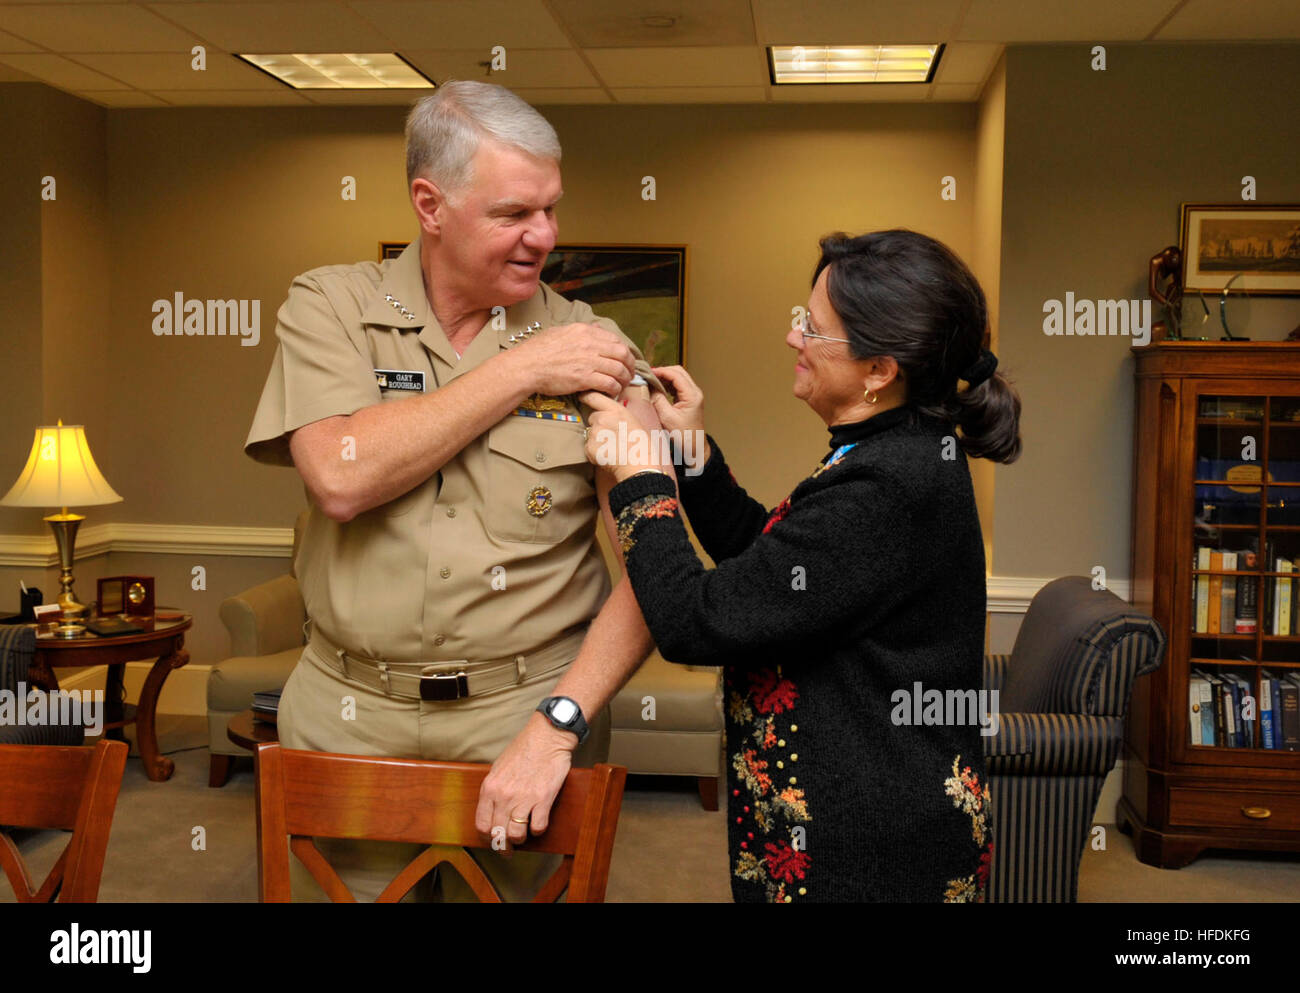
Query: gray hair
column 443, row 131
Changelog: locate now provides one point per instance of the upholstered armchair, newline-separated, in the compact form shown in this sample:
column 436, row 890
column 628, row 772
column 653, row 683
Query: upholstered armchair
column 1063, row 697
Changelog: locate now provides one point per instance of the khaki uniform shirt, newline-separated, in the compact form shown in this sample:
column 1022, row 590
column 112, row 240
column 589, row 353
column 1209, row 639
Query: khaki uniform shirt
column 493, row 555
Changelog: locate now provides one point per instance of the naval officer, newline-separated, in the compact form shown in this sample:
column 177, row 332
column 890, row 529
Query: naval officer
column 457, row 597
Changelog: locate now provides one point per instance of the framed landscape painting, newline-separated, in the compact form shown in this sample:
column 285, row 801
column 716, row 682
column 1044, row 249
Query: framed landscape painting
column 1259, row 242
column 641, row 288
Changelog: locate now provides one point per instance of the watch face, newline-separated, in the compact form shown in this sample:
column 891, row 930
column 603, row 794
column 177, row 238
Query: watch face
column 564, row 710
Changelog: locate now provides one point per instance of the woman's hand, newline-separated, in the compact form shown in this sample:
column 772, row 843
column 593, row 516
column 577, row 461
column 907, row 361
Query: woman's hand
column 686, row 415
column 625, row 452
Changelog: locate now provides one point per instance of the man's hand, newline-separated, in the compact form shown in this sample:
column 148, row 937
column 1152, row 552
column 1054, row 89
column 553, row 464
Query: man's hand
column 573, row 358
column 524, row 781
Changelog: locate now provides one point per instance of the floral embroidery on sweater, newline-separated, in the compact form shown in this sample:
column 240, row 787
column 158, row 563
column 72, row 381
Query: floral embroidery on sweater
column 784, row 507
column 638, row 510
column 972, row 799
column 775, row 802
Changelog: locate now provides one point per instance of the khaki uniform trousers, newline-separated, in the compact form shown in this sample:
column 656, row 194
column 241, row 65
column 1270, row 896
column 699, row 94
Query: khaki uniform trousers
column 473, row 729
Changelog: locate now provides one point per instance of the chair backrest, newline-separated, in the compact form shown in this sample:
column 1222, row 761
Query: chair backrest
column 1078, row 651
column 53, row 786
column 303, row 794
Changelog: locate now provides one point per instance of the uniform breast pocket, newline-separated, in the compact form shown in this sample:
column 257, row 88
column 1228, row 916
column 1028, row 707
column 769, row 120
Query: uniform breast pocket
column 542, row 486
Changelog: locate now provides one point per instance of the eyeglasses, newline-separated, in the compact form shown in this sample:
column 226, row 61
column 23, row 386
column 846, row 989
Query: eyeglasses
column 808, row 323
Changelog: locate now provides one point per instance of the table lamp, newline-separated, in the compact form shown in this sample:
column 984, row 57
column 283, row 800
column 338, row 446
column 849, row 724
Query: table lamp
column 61, row 472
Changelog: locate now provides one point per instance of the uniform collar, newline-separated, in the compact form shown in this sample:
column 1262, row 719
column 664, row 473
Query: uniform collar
column 403, row 303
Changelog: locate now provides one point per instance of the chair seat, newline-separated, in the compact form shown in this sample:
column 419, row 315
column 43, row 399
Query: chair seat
column 232, row 683
column 685, row 699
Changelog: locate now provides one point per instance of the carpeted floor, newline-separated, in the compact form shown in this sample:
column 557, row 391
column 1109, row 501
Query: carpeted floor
column 668, row 848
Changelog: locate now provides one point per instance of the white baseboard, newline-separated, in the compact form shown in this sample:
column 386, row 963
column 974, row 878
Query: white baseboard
column 184, row 693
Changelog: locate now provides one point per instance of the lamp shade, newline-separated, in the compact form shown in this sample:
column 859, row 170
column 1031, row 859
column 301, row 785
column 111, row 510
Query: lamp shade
column 60, row 472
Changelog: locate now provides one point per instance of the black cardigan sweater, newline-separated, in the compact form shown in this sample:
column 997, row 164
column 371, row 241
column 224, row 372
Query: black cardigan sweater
column 866, row 581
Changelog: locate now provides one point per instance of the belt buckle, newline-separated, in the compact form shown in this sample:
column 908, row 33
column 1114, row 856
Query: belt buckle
column 443, row 686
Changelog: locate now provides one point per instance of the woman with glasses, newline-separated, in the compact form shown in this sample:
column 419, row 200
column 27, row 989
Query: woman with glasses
column 850, row 619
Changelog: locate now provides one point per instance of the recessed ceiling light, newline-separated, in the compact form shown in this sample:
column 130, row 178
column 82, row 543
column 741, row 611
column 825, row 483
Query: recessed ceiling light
column 325, row 71
column 853, row 64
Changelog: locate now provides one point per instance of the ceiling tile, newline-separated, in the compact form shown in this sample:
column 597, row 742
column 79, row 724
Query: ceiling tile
column 524, row 67
column 852, row 93
column 477, row 24
column 692, row 94
column 232, row 98
column 651, row 67
column 601, row 24
column 11, row 43
column 319, row 26
column 8, row 74
column 1061, row 20
column 364, row 98
column 61, row 72
column 967, row 62
column 834, row 22
column 120, row 98
column 538, row 96
column 955, row 92
column 83, row 27
column 1264, row 20
column 173, row 72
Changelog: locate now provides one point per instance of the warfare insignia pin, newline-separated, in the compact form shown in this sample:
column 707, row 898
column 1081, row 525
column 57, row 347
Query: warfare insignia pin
column 539, row 501
column 539, row 402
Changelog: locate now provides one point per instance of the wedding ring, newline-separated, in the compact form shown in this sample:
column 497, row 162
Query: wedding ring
column 520, row 820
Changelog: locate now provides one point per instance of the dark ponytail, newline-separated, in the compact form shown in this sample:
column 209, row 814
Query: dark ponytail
column 901, row 294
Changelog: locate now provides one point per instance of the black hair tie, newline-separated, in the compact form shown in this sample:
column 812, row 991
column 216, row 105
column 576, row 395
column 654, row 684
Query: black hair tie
column 981, row 369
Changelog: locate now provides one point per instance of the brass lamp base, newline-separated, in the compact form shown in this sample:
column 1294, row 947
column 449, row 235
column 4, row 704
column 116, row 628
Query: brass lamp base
column 65, row 527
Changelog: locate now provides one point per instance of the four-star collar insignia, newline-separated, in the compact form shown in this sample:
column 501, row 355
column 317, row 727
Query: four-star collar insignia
column 398, row 306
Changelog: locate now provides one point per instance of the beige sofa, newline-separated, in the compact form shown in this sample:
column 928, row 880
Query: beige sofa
column 667, row 721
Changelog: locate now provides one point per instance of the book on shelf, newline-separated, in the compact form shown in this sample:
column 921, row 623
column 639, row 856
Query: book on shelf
column 1244, row 709
column 1194, row 684
column 1282, row 598
column 1228, row 601
column 1247, row 596
column 1214, row 608
column 1224, row 604
column 1205, row 710
column 1202, row 590
column 1289, row 711
column 1267, row 714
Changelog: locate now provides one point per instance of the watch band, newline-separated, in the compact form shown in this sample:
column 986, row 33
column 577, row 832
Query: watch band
column 577, row 723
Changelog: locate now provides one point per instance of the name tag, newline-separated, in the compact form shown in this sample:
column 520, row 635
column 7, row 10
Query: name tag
column 400, row 379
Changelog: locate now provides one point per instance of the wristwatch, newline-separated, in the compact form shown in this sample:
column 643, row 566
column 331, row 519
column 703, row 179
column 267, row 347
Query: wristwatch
column 566, row 715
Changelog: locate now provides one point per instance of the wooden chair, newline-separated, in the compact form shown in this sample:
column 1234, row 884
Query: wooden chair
column 302, row 794
column 60, row 787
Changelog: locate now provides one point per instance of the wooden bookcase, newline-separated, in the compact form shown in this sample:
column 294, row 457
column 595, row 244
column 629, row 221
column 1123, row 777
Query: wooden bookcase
column 1206, row 401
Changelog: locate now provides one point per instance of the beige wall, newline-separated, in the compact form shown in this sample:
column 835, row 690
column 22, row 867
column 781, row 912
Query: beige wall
column 1096, row 166
column 986, row 254
column 233, row 204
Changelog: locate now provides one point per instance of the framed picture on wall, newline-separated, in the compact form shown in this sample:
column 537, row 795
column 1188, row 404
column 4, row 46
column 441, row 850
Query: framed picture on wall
column 641, row 288
column 1257, row 242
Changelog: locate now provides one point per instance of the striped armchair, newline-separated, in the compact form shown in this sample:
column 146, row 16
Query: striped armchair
column 1063, row 693
column 17, row 650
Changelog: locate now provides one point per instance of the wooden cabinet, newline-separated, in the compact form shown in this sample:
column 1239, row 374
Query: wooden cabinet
column 1217, row 467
